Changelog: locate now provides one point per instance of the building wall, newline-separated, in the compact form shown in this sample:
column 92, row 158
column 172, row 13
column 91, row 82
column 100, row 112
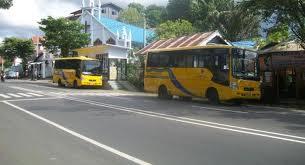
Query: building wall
column 110, row 12
column 98, row 31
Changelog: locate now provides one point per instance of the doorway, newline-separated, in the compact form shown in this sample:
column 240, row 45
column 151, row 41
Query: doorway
column 286, row 80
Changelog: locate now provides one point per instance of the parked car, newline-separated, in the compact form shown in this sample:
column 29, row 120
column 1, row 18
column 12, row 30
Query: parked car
column 11, row 74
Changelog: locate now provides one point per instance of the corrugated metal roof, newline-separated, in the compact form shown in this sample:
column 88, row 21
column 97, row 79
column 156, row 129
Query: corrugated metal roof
column 283, row 47
column 245, row 44
column 198, row 39
column 136, row 32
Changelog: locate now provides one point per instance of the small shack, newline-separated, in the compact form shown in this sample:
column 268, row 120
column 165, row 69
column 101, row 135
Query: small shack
column 283, row 71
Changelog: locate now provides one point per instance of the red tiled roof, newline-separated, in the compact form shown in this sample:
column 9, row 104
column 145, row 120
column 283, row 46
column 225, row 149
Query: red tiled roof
column 36, row 39
column 198, row 39
column 1, row 60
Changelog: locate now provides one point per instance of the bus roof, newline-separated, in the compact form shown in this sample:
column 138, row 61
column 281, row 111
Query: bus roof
column 75, row 58
column 192, row 47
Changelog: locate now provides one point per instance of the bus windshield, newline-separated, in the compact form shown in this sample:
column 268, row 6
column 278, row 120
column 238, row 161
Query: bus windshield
column 245, row 64
column 91, row 67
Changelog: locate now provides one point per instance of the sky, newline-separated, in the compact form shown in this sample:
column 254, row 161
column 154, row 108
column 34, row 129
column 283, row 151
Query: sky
column 21, row 19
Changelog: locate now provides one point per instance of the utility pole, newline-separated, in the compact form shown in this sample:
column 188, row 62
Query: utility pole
column 2, row 66
column 144, row 30
column 37, row 46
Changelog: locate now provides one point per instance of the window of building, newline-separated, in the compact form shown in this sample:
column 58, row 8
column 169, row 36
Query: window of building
column 114, row 12
column 111, row 41
column 103, row 11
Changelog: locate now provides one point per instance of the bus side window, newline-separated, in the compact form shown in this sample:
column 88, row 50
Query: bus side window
column 164, row 60
column 189, row 60
column 153, row 60
column 179, row 61
column 195, row 61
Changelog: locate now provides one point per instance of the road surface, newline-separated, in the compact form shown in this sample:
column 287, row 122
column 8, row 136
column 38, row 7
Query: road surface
column 43, row 124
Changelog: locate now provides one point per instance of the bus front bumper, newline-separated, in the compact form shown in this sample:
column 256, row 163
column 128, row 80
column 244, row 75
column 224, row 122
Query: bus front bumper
column 246, row 95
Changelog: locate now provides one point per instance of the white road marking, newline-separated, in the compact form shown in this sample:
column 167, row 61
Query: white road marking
column 24, row 89
column 193, row 121
column 14, row 95
column 25, row 95
column 5, row 96
column 243, row 130
column 35, row 94
column 105, row 147
column 34, row 99
column 218, row 109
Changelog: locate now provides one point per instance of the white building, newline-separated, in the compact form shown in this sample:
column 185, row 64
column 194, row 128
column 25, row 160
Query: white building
column 110, row 40
column 42, row 60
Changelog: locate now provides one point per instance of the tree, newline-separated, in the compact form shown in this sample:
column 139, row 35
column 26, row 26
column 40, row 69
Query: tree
column 155, row 15
column 6, row 4
column 63, row 34
column 140, row 8
column 275, row 34
column 224, row 15
column 290, row 12
column 132, row 16
column 172, row 29
column 278, row 33
column 179, row 9
column 16, row 47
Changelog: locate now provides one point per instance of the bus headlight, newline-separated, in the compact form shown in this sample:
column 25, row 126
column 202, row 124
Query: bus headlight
column 233, row 85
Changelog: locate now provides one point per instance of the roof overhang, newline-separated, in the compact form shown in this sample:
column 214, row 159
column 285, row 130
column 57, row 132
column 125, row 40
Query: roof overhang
column 195, row 40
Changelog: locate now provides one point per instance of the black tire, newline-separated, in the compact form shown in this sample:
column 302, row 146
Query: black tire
column 237, row 102
column 75, row 86
column 163, row 93
column 213, row 96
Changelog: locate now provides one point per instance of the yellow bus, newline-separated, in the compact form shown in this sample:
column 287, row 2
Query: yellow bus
column 217, row 72
column 77, row 72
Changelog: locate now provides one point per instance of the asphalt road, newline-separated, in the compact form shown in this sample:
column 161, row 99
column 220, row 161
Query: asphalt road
column 43, row 124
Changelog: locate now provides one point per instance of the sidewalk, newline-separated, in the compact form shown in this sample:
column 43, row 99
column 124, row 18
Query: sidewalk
column 283, row 104
column 29, row 80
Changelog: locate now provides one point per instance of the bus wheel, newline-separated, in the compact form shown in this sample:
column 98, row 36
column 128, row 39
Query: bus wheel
column 59, row 83
column 75, row 84
column 163, row 93
column 212, row 96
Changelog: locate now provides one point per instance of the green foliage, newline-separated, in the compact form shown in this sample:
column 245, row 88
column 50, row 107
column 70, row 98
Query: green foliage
column 6, row 4
column 155, row 15
column 172, row 29
column 63, row 34
column 291, row 12
column 278, row 34
column 179, row 9
column 226, row 17
column 16, row 47
column 140, row 8
column 135, row 70
column 132, row 16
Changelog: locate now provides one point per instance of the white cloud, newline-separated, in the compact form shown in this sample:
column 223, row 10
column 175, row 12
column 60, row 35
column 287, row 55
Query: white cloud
column 29, row 12
column 21, row 19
